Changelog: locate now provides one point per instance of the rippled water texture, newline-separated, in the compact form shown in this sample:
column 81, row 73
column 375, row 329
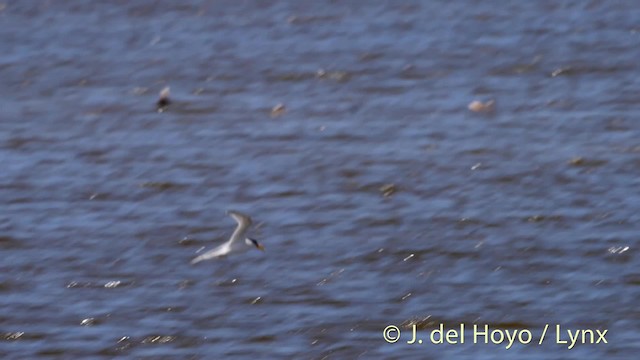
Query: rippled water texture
column 343, row 128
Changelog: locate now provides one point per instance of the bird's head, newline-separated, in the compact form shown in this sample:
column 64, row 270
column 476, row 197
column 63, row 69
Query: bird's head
column 255, row 243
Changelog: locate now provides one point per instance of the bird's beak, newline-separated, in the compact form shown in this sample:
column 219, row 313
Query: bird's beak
column 260, row 247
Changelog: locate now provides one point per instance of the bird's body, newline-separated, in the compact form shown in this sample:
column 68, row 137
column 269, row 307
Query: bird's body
column 236, row 244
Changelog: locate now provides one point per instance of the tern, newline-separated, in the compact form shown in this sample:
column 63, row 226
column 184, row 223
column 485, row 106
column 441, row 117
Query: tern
column 237, row 243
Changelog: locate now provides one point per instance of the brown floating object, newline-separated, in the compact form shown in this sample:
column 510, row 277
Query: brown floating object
column 278, row 110
column 388, row 189
column 479, row 106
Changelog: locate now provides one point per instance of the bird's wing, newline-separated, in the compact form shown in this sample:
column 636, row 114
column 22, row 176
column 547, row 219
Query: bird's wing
column 212, row 254
column 244, row 221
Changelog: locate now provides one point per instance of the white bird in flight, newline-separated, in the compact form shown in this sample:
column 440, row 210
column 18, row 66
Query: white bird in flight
column 237, row 243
